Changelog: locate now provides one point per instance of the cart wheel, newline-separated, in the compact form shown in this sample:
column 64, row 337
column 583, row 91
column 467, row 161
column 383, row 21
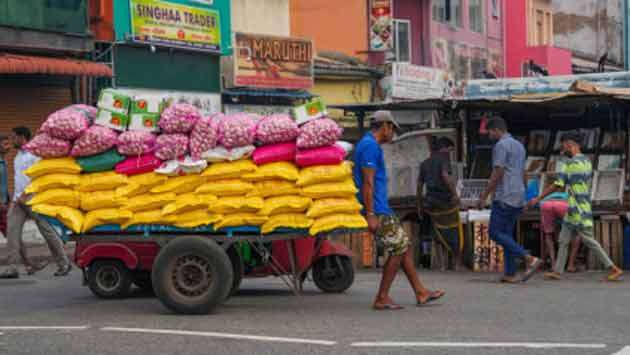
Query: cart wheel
column 109, row 279
column 143, row 281
column 192, row 275
column 333, row 274
column 237, row 269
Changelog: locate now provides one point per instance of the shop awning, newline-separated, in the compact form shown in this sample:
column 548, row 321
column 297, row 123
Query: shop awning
column 22, row 64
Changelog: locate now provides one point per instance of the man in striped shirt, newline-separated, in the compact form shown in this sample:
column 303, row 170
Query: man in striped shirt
column 576, row 177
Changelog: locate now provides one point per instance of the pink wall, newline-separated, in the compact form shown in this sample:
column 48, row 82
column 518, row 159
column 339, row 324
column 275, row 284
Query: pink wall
column 452, row 47
column 556, row 60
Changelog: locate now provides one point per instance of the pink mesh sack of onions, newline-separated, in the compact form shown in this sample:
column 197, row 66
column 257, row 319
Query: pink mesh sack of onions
column 276, row 129
column 319, row 133
column 94, row 140
column 45, row 146
column 204, row 136
column 171, row 146
column 237, row 130
column 136, row 143
column 179, row 118
column 69, row 123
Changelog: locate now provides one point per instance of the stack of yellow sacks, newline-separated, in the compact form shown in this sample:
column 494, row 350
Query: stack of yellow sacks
column 230, row 194
column 334, row 198
column 283, row 206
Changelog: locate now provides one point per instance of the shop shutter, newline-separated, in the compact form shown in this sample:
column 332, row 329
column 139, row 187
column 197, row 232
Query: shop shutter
column 29, row 106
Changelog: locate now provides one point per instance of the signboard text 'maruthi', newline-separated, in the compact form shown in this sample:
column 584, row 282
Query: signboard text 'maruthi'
column 281, row 50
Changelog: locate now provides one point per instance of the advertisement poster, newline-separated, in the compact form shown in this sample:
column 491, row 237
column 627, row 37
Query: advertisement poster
column 272, row 62
column 163, row 22
column 381, row 25
column 413, row 82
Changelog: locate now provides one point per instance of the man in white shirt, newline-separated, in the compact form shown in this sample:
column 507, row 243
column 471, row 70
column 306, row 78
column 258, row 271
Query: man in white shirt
column 19, row 212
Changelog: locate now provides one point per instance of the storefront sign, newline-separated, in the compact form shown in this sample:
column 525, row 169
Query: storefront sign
column 412, row 82
column 381, row 25
column 272, row 62
column 167, row 23
column 207, row 103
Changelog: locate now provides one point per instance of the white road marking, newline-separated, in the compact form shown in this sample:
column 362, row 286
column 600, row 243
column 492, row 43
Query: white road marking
column 221, row 335
column 478, row 345
column 82, row 327
column 624, row 351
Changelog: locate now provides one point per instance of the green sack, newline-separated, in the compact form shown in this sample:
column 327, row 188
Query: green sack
column 100, row 162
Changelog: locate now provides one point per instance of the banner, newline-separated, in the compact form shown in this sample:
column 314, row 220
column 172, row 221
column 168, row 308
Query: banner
column 272, row 62
column 171, row 24
column 413, row 82
column 381, row 25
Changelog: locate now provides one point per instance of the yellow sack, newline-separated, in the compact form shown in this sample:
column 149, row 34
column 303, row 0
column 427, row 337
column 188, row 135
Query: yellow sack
column 285, row 204
column 192, row 219
column 53, row 181
column 185, row 203
column 330, row 190
column 329, row 206
column 145, row 217
column 207, row 198
column 280, row 170
column 102, row 181
column 149, row 202
column 337, row 221
column 226, row 188
column 325, row 173
column 179, row 184
column 91, row 201
column 140, row 184
column 104, row 217
column 229, row 170
column 53, row 166
column 228, row 205
column 289, row 220
column 70, row 217
column 57, row 197
column 271, row 188
column 241, row 219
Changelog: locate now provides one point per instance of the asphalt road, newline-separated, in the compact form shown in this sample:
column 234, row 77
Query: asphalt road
column 478, row 316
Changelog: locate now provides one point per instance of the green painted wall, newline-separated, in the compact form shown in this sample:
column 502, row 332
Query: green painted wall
column 122, row 19
column 66, row 16
column 137, row 66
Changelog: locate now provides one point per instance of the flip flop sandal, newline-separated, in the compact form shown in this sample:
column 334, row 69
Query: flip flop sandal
column 387, row 307
column 613, row 278
column 31, row 270
column 533, row 268
column 435, row 295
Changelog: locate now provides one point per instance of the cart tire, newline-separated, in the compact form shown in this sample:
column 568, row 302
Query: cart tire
column 238, row 268
column 143, row 281
column 333, row 274
column 109, row 279
column 192, row 275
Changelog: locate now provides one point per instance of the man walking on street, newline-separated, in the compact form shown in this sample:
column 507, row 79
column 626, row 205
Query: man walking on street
column 576, row 176
column 507, row 182
column 370, row 176
column 5, row 146
column 19, row 212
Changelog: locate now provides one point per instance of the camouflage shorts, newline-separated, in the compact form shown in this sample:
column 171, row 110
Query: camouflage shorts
column 392, row 235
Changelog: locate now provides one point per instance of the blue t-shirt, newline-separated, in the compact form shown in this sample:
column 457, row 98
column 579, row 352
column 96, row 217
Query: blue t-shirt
column 368, row 154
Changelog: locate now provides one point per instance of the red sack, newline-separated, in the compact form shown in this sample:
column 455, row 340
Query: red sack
column 140, row 165
column 274, row 153
column 331, row 155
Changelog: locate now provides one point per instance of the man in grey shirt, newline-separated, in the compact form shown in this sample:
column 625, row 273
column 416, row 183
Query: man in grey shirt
column 508, row 184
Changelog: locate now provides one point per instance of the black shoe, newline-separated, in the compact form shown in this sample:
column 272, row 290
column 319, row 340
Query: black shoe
column 63, row 270
column 10, row 274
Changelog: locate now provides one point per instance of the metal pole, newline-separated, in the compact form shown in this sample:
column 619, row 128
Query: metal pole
column 626, row 35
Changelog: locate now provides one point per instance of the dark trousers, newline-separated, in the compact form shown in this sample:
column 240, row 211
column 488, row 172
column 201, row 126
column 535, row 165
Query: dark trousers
column 502, row 222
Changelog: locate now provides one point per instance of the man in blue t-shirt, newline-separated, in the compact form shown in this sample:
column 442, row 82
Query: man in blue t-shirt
column 370, row 176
